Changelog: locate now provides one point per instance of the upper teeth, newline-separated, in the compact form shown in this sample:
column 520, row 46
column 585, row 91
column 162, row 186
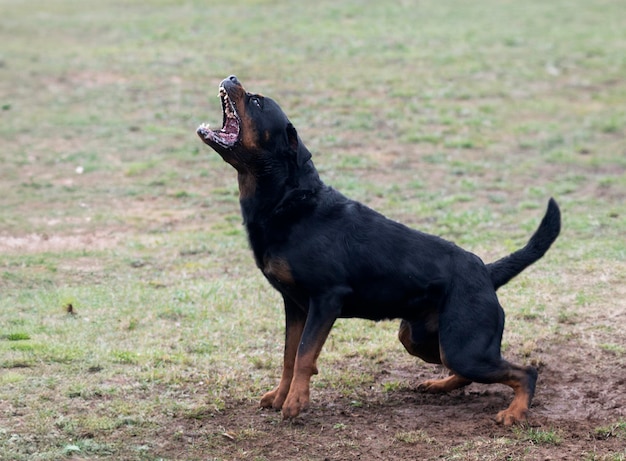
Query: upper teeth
column 229, row 107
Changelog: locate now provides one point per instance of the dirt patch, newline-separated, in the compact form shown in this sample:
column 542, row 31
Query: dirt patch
column 578, row 413
column 568, row 421
column 42, row 243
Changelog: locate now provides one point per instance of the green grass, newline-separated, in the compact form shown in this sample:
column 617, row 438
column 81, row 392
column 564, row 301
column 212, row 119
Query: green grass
column 539, row 436
column 457, row 118
column 617, row 429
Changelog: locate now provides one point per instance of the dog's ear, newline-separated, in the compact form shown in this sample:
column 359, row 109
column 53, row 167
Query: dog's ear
column 302, row 154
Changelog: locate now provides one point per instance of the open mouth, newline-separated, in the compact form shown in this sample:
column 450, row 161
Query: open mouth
column 228, row 135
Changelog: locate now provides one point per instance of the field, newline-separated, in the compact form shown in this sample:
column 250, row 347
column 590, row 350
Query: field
column 134, row 324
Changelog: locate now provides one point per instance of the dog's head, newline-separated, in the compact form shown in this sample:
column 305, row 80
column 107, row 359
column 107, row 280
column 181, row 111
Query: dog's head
column 256, row 135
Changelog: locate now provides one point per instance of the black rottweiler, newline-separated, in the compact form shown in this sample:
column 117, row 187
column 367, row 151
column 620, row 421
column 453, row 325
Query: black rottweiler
column 332, row 257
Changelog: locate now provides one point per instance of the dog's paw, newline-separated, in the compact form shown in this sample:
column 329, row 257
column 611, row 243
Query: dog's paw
column 294, row 404
column 272, row 399
column 437, row 386
column 432, row 386
column 510, row 416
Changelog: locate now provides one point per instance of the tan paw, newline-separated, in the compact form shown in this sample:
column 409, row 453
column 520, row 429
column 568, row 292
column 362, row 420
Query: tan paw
column 294, row 404
column 272, row 399
column 432, row 386
column 512, row 416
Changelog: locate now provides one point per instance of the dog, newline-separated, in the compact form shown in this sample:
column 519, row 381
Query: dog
column 331, row 257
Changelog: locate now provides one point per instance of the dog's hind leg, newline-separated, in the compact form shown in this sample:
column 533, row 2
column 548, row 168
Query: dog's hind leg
column 423, row 342
column 436, row 386
column 522, row 380
column 470, row 337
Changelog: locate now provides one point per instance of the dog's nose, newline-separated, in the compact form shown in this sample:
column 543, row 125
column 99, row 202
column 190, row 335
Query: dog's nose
column 230, row 82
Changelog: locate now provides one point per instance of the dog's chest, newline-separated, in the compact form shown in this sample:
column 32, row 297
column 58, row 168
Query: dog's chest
column 278, row 271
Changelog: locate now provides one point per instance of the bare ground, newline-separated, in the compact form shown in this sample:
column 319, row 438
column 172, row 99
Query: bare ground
column 571, row 402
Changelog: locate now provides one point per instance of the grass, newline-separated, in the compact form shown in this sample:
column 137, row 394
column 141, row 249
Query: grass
column 539, row 436
column 455, row 118
column 414, row 437
column 617, row 429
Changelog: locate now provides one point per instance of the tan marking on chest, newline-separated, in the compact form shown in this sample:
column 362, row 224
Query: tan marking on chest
column 278, row 269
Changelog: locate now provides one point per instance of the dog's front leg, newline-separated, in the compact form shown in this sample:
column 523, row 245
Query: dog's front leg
column 323, row 311
column 294, row 325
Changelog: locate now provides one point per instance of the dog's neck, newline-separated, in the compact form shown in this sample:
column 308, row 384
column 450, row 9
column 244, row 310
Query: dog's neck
column 270, row 200
column 266, row 196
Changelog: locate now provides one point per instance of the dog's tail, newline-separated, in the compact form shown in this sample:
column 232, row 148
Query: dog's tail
column 503, row 270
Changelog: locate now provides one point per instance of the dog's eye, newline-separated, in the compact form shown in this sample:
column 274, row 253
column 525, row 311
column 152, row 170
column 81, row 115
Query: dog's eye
column 257, row 101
